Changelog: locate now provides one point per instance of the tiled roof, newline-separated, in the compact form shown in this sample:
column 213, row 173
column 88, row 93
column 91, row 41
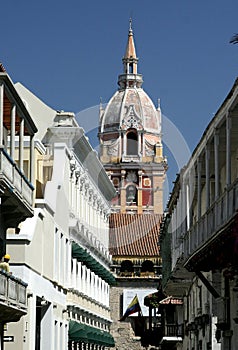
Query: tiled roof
column 134, row 234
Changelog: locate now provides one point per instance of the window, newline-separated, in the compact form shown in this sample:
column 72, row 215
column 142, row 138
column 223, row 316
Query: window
column 126, row 266
column 147, row 266
column 131, row 194
column 132, row 147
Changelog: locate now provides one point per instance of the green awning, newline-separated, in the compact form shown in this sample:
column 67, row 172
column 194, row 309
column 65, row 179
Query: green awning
column 82, row 255
column 80, row 332
column 77, row 331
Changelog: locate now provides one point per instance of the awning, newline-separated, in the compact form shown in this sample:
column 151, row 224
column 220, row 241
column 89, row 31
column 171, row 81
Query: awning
column 171, row 300
column 77, row 331
column 80, row 332
column 84, row 256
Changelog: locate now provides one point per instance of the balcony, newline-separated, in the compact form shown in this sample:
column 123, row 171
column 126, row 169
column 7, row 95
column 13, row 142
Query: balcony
column 15, row 190
column 173, row 330
column 212, row 224
column 13, row 298
column 163, row 335
column 173, row 333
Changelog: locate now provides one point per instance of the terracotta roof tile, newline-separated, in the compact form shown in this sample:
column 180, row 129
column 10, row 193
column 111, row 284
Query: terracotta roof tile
column 134, row 234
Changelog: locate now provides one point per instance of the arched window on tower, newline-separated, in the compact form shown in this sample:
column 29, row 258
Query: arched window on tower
column 132, row 143
column 131, row 68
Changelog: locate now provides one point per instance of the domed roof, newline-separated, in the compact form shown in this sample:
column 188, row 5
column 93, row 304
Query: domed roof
column 128, row 108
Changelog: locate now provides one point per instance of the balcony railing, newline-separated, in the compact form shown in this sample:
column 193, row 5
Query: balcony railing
column 12, row 178
column 221, row 212
column 173, row 330
column 13, row 297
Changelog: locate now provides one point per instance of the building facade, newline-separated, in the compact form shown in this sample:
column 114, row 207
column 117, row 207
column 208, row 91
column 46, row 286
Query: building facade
column 62, row 250
column 132, row 154
column 16, row 192
column 199, row 236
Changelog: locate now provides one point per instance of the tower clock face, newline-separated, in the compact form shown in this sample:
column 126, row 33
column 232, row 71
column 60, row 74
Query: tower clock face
column 131, row 176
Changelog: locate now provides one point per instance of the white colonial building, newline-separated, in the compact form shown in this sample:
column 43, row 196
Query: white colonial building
column 62, row 251
column 16, row 191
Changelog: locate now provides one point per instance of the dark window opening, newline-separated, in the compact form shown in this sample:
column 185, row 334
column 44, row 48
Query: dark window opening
column 147, row 266
column 132, row 148
column 126, row 266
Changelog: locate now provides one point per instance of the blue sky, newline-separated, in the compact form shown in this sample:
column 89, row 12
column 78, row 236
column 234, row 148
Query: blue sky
column 69, row 53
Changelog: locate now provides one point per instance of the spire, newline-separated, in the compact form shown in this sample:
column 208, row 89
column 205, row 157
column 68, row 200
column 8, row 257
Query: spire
column 130, row 48
column 130, row 78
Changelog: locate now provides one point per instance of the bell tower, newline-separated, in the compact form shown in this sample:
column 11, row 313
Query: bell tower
column 131, row 152
column 131, row 142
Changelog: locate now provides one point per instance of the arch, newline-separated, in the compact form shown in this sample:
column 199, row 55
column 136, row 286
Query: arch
column 147, row 266
column 132, row 143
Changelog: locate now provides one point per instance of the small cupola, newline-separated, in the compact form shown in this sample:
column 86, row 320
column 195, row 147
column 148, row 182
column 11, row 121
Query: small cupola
column 130, row 78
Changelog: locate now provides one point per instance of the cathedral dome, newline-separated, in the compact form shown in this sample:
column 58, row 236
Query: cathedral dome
column 131, row 108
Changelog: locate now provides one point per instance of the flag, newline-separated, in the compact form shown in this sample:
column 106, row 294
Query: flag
column 133, row 307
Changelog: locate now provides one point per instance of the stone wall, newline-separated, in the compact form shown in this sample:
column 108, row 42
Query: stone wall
column 124, row 332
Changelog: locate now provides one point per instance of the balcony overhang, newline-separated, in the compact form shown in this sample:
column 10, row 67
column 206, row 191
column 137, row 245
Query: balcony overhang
column 16, row 192
column 13, row 300
column 10, row 313
column 179, row 281
column 217, row 252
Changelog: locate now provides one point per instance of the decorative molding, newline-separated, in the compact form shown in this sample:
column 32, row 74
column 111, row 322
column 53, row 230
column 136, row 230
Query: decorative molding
column 131, row 120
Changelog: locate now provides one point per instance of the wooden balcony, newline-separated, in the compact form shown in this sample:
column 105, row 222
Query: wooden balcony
column 15, row 190
column 13, row 298
column 210, row 228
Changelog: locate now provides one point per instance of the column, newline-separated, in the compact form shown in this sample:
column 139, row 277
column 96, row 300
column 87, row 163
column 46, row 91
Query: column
column 1, row 114
column 79, row 277
column 216, row 161
column 124, row 144
column 207, row 166
column 140, row 194
column 74, row 275
column 21, row 144
column 228, row 150
column 88, row 288
column 199, row 188
column 187, row 206
column 12, row 137
column 84, row 279
column 120, row 145
column 68, row 262
column 139, row 143
column 32, row 158
column 123, row 192
column 184, row 227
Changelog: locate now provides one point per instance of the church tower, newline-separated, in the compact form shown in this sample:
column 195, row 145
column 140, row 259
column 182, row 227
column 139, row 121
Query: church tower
column 130, row 142
column 131, row 152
